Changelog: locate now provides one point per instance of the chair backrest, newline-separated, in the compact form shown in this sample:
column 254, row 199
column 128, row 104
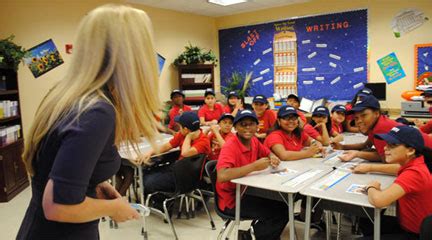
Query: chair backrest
column 426, row 228
column 210, row 168
column 187, row 173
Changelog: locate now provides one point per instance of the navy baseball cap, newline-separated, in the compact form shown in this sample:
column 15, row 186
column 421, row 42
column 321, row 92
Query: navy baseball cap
column 176, row 91
column 226, row 115
column 260, row 98
column 209, row 91
column 286, row 111
column 189, row 120
column 366, row 102
column 293, row 96
column 233, row 94
column 320, row 110
column 427, row 93
column 365, row 92
column 245, row 114
column 339, row 108
column 403, row 134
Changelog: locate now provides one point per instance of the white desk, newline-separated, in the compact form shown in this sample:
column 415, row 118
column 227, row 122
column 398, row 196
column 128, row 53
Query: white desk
column 338, row 193
column 274, row 182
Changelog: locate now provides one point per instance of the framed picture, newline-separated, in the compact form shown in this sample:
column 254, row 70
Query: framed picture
column 422, row 64
column 161, row 62
column 43, row 58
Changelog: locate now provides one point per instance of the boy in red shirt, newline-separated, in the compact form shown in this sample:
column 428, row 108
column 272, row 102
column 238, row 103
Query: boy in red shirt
column 191, row 141
column 220, row 134
column 411, row 189
column 266, row 117
column 210, row 112
column 240, row 156
column 177, row 98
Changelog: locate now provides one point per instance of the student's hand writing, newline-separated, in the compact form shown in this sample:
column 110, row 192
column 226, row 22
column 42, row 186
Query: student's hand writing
column 375, row 184
column 261, row 164
column 123, row 211
column 348, row 155
column 274, row 161
column 105, row 190
column 143, row 159
column 362, row 168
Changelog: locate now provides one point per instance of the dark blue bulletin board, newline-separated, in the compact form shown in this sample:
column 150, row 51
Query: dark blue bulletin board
column 332, row 54
column 423, row 64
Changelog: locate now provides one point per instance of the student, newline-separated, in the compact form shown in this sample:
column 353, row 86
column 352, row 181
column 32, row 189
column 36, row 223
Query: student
column 177, row 98
column 288, row 140
column 338, row 114
column 220, row 133
column 321, row 124
column 234, row 103
column 191, row 141
column 350, row 123
column 368, row 117
column 411, row 189
column 241, row 155
column 426, row 127
column 103, row 99
column 210, row 112
column 294, row 101
column 266, row 116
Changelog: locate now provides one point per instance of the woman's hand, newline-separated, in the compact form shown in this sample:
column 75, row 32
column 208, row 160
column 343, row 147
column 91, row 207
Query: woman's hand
column 105, row 190
column 124, row 211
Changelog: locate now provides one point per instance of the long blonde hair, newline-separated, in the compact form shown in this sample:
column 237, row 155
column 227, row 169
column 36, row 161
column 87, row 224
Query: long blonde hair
column 114, row 49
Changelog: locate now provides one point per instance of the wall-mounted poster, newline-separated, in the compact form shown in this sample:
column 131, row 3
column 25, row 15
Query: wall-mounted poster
column 391, row 68
column 423, row 64
column 315, row 57
column 43, row 58
column 161, row 62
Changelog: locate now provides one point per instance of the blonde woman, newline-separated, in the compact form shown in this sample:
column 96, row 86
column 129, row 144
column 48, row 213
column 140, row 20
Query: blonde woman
column 70, row 150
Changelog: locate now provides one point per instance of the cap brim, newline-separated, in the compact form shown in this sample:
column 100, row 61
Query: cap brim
column 260, row 101
column 388, row 138
column 287, row 114
column 243, row 117
column 226, row 116
column 177, row 118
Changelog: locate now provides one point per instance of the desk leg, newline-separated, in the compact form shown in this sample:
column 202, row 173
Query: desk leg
column 237, row 212
column 291, row 216
column 141, row 195
column 377, row 224
column 308, row 217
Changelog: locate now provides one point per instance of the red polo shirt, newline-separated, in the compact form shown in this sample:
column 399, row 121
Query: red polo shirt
column 290, row 142
column 233, row 155
column 201, row 144
column 349, row 117
column 215, row 148
column 427, row 128
column 174, row 111
column 210, row 115
column 311, row 131
column 416, row 204
column 302, row 116
column 227, row 109
column 337, row 127
column 266, row 121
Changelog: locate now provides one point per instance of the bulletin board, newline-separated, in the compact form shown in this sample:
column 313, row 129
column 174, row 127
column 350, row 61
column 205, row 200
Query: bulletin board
column 423, row 64
column 323, row 56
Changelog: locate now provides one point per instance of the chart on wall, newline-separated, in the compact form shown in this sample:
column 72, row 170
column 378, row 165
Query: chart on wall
column 323, row 56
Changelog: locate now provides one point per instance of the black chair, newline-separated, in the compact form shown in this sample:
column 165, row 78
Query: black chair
column 426, row 228
column 210, row 168
column 187, row 173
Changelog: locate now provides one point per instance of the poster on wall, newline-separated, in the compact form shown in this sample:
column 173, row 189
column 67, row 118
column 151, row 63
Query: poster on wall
column 423, row 64
column 43, row 58
column 316, row 57
column 391, row 68
column 161, row 62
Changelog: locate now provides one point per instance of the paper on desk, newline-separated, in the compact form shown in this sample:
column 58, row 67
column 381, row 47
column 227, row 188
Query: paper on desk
column 331, row 180
column 333, row 158
column 284, row 171
column 301, row 178
column 356, row 189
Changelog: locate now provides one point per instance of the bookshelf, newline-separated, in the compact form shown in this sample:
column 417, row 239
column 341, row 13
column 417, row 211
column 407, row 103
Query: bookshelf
column 194, row 79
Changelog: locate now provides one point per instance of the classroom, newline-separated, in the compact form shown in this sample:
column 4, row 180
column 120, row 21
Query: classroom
column 216, row 119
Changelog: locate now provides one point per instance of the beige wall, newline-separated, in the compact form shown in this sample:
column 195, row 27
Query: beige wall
column 381, row 39
column 34, row 21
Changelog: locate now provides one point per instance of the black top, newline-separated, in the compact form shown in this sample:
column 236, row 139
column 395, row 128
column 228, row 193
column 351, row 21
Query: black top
column 77, row 155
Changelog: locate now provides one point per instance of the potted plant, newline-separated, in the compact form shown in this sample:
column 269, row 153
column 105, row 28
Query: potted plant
column 239, row 83
column 10, row 53
column 195, row 55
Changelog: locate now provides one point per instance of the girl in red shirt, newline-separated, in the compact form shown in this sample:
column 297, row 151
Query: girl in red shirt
column 210, row 112
column 288, row 140
column 412, row 187
column 234, row 103
column 266, row 116
column 338, row 118
column 321, row 123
